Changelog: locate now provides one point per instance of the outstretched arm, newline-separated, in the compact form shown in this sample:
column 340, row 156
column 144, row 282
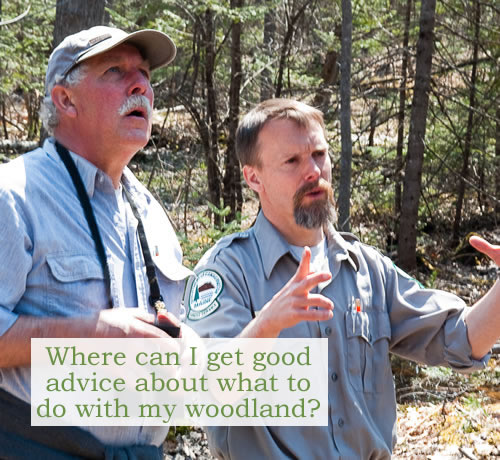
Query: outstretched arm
column 483, row 320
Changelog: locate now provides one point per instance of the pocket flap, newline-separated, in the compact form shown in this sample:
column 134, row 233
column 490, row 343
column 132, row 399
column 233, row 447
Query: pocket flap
column 68, row 268
column 171, row 268
column 368, row 325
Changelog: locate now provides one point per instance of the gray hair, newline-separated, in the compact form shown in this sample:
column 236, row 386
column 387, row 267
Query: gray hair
column 48, row 110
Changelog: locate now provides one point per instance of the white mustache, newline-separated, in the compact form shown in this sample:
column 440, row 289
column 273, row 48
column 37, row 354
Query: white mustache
column 136, row 101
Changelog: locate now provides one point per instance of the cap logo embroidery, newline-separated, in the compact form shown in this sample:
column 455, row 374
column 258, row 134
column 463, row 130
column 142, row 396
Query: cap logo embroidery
column 98, row 39
column 205, row 290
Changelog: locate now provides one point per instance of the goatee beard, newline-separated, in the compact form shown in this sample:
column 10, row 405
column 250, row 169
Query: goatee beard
column 317, row 213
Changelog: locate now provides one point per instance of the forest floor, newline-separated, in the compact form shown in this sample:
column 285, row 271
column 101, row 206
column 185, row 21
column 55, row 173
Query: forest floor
column 441, row 414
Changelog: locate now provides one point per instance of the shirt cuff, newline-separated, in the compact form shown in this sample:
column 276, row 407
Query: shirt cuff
column 7, row 319
column 458, row 352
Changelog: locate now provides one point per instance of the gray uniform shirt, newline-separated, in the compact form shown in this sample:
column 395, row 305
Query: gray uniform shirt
column 243, row 271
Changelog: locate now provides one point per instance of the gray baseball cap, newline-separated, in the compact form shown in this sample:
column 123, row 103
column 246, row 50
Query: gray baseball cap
column 155, row 46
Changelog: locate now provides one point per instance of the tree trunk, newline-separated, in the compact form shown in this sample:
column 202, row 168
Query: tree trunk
column 401, row 114
column 75, row 15
column 32, row 104
column 71, row 17
column 214, row 186
column 290, row 30
column 345, row 118
column 232, row 177
column 266, row 79
column 470, row 126
column 4, row 116
column 497, row 166
column 373, row 125
column 283, row 55
column 2, row 98
column 330, row 75
column 413, row 172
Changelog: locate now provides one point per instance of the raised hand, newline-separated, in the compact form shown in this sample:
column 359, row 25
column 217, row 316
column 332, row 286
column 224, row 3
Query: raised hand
column 293, row 302
column 491, row 250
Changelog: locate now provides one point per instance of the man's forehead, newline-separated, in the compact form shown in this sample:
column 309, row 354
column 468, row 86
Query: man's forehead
column 286, row 134
column 310, row 127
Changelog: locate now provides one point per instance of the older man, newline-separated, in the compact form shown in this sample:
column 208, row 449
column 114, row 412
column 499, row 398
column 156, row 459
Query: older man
column 293, row 275
column 81, row 238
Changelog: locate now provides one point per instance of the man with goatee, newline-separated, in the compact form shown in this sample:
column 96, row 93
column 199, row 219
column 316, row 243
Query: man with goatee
column 293, row 275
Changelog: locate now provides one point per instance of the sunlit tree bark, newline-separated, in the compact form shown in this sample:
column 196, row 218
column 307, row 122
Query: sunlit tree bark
column 345, row 119
column 401, row 113
column 416, row 142
column 232, row 178
column 470, row 125
column 76, row 15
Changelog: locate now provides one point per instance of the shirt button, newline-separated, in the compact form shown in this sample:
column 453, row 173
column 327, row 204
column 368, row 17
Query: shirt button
column 328, row 330
column 341, row 422
column 335, row 377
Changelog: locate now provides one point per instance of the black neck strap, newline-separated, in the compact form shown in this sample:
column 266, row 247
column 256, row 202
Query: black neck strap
column 155, row 298
column 89, row 214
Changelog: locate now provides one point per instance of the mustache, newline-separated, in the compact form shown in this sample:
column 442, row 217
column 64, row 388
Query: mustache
column 136, row 101
column 321, row 183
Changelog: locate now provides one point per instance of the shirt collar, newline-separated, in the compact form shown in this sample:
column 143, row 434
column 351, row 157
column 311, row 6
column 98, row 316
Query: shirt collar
column 88, row 171
column 92, row 177
column 141, row 199
column 273, row 246
column 337, row 244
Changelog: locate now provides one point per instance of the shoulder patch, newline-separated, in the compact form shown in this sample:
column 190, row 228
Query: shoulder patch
column 205, row 289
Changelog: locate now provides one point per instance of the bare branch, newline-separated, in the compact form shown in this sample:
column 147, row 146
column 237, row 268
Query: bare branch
column 17, row 18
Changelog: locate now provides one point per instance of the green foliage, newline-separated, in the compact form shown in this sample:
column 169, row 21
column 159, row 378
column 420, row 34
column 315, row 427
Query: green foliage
column 24, row 46
column 439, row 374
column 376, row 74
column 195, row 247
column 431, row 282
column 175, row 431
column 473, row 402
column 24, row 49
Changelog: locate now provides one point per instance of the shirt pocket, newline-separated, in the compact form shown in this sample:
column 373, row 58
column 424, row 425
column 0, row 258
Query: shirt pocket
column 368, row 336
column 75, row 284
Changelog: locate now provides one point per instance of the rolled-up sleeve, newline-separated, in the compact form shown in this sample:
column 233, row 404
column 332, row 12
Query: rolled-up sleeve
column 15, row 258
column 428, row 325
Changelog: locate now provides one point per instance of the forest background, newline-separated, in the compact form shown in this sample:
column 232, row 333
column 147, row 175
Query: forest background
column 410, row 91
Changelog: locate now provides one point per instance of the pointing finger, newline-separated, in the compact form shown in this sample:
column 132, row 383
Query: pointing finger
column 305, row 264
column 492, row 251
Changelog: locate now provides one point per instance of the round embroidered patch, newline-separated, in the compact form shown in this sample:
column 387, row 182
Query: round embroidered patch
column 205, row 290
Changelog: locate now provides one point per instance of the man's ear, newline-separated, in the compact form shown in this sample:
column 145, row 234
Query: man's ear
column 62, row 99
column 252, row 178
